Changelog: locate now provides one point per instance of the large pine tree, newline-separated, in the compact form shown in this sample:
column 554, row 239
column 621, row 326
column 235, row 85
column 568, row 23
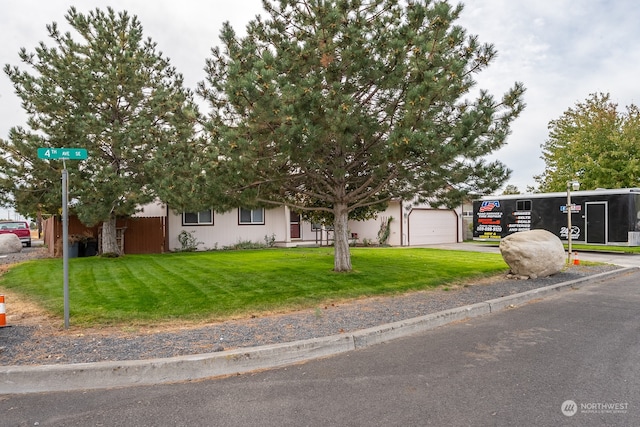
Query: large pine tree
column 339, row 105
column 105, row 88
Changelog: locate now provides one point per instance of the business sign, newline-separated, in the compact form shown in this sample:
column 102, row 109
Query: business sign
column 62, row 153
column 489, row 221
column 574, row 208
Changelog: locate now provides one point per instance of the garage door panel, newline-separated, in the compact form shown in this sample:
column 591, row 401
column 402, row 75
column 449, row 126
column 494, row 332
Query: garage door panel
column 432, row 226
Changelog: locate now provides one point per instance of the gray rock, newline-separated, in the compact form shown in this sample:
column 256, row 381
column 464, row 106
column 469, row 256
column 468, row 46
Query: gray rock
column 532, row 254
column 10, row 243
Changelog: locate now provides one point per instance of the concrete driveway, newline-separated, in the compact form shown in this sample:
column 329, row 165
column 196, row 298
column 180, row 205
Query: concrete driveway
column 624, row 260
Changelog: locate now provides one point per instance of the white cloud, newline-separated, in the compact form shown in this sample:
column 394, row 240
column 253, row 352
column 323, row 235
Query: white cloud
column 562, row 50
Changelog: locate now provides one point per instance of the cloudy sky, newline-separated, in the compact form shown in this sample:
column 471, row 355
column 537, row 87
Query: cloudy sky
column 562, row 50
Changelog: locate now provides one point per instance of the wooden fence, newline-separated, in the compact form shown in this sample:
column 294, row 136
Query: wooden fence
column 137, row 235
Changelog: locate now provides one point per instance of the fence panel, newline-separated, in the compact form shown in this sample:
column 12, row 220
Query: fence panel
column 141, row 235
column 49, row 235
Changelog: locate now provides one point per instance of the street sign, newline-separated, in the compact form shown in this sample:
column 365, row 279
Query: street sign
column 62, row 153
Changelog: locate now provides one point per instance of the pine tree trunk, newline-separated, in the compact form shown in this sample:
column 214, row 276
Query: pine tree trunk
column 109, row 240
column 342, row 255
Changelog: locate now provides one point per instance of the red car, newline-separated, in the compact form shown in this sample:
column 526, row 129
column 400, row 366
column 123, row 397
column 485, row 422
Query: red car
column 19, row 228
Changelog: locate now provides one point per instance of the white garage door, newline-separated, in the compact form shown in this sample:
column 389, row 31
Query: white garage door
column 431, row 226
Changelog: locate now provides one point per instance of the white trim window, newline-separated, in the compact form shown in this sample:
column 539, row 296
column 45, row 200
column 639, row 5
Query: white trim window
column 251, row 216
column 204, row 217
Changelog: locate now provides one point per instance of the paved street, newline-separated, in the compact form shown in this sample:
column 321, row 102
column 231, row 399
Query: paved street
column 515, row 367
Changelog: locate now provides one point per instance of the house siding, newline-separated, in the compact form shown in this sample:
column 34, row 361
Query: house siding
column 369, row 229
column 153, row 210
column 226, row 231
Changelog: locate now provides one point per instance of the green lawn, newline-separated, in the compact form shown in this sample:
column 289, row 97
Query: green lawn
column 221, row 284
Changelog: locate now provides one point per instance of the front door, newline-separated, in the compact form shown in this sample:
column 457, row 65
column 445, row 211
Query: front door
column 596, row 222
column 294, row 224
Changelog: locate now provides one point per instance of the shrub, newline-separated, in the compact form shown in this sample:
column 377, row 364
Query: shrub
column 270, row 241
column 385, row 231
column 188, row 241
column 244, row 244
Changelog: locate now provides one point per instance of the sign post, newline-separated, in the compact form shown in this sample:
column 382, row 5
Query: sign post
column 65, row 245
column 64, row 154
column 576, row 186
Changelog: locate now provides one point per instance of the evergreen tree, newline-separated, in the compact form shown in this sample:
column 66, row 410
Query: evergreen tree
column 107, row 89
column 593, row 143
column 510, row 189
column 340, row 105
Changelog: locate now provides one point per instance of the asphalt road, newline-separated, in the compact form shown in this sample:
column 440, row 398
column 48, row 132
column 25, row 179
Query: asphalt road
column 577, row 351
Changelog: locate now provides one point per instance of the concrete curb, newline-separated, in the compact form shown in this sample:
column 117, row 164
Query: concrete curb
column 524, row 297
column 367, row 337
column 84, row 376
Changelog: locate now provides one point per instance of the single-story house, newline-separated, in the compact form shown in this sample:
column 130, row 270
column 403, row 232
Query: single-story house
column 411, row 225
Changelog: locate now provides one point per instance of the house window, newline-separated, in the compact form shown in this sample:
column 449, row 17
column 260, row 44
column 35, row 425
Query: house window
column 523, row 205
column 198, row 218
column 251, row 216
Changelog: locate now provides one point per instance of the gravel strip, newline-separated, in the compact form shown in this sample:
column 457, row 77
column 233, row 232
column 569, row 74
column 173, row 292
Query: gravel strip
column 37, row 345
column 25, row 255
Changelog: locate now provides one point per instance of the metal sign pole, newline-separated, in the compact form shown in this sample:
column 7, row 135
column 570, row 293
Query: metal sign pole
column 568, row 223
column 65, row 246
column 63, row 154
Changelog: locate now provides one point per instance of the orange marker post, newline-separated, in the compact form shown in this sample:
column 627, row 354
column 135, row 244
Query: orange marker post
column 3, row 316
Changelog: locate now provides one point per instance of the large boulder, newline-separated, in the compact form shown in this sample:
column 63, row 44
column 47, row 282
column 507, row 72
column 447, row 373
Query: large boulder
column 534, row 253
column 10, row 243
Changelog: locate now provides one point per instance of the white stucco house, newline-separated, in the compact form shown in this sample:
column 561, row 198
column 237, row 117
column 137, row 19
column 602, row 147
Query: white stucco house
column 411, row 225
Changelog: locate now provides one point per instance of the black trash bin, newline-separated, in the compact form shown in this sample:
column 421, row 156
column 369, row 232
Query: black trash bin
column 91, row 248
column 74, row 250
